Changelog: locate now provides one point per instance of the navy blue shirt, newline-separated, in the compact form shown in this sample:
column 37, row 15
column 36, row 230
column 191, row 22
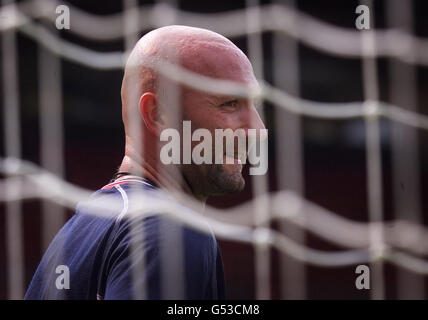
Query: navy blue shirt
column 121, row 257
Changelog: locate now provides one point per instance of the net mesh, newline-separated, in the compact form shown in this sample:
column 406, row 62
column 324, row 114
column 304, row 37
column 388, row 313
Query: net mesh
column 374, row 242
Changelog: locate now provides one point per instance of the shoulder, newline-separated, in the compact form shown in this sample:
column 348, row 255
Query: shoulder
column 141, row 222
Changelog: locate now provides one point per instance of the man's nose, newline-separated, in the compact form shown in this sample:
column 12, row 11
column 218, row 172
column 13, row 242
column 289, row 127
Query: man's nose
column 257, row 122
column 254, row 121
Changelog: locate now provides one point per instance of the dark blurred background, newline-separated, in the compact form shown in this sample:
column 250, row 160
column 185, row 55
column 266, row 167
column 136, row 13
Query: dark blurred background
column 334, row 157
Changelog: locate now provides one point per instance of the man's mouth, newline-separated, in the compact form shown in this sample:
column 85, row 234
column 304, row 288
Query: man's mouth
column 235, row 158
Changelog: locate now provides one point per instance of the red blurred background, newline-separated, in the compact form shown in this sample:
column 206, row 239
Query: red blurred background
column 334, row 163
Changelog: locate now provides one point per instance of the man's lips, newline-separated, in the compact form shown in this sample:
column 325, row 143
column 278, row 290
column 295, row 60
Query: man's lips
column 232, row 159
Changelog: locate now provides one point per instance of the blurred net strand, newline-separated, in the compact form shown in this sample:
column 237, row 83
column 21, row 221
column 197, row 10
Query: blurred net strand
column 137, row 232
column 50, row 187
column 51, row 138
column 288, row 153
column 115, row 60
column 404, row 145
column 311, row 31
column 261, row 214
column 278, row 97
column 51, row 133
column 373, row 158
column 12, row 145
column 347, row 232
column 172, row 252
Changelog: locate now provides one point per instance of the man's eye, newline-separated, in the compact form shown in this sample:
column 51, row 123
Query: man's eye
column 231, row 103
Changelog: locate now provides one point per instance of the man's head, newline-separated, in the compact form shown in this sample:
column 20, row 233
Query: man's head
column 163, row 103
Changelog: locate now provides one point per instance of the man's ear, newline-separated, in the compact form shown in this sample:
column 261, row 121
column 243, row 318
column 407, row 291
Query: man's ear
column 151, row 113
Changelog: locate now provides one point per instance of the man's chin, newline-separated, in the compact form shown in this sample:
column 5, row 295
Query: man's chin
column 226, row 182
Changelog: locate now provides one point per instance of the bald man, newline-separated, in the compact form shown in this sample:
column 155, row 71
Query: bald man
column 118, row 256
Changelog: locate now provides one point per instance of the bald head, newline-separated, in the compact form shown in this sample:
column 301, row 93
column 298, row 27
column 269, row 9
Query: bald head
column 199, row 50
column 155, row 95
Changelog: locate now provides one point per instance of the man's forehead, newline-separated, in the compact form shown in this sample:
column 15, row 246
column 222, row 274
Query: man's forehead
column 219, row 60
column 197, row 50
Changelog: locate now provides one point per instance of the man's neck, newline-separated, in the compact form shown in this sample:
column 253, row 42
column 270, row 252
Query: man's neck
column 167, row 178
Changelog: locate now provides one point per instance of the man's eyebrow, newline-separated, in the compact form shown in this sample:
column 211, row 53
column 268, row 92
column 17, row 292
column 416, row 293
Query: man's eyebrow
column 219, row 99
column 229, row 98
